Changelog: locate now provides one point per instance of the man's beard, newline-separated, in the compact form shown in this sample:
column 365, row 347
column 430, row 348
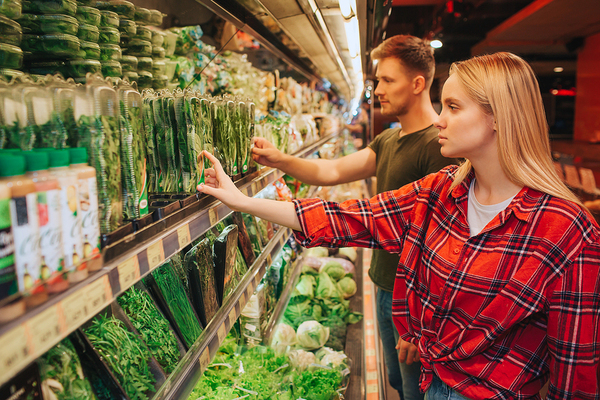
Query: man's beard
column 398, row 111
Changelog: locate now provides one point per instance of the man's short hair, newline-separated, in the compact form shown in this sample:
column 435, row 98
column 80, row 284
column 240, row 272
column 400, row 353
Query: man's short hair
column 414, row 53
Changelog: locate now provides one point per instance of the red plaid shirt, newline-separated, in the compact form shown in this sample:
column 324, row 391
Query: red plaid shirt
column 515, row 304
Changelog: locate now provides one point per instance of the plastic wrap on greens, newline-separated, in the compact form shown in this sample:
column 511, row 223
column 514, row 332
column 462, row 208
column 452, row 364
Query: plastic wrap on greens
column 206, row 128
column 68, row 7
column 11, row 8
column 101, row 136
column 133, row 158
column 88, row 15
column 189, row 143
column 172, row 141
column 62, row 375
column 39, row 24
column 151, row 149
column 243, row 136
column 224, row 140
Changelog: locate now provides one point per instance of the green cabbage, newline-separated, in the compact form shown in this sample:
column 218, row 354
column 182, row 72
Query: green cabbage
column 334, row 269
column 312, row 335
column 347, row 287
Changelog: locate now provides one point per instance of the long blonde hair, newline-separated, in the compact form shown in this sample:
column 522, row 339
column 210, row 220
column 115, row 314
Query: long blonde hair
column 504, row 86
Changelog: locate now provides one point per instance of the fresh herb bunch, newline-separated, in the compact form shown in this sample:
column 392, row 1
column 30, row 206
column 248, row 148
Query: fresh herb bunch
column 195, row 140
column 184, row 131
column 67, row 7
column 172, row 142
column 161, row 145
column 153, row 327
column 151, row 149
column 176, row 299
column 201, row 269
column 133, row 158
column 125, row 354
column 206, row 121
column 62, row 375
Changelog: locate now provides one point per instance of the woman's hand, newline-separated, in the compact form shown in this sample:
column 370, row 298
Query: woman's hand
column 264, row 153
column 407, row 352
column 219, row 185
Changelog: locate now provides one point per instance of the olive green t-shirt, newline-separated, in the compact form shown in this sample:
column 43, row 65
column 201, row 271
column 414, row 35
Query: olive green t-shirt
column 400, row 161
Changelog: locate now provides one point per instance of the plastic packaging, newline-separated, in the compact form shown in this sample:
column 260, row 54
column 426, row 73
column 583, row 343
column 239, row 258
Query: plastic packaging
column 9, row 283
column 144, row 79
column 109, row 35
column 170, row 43
column 143, row 33
column 142, row 15
column 139, row 48
column 127, row 27
column 52, row 46
column 79, row 68
column 24, row 220
column 159, row 82
column 10, row 56
column 88, row 15
column 158, row 37
column 10, row 31
column 48, row 199
column 110, row 52
column 125, row 9
column 112, row 68
column 132, row 76
column 199, row 265
column 88, row 204
column 11, row 8
column 109, row 18
column 68, row 7
column 158, row 52
column 90, row 50
column 145, row 64
column 156, row 18
column 129, row 63
column 225, row 249
column 49, row 23
column 88, row 33
column 10, row 74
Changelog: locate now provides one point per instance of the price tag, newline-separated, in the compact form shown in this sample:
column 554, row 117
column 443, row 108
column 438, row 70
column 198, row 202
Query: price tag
column 129, row 272
column 221, row 333
column 98, row 294
column 73, row 308
column 183, row 236
column 204, row 360
column 156, row 254
column 14, row 354
column 44, row 329
column 213, row 216
column 232, row 317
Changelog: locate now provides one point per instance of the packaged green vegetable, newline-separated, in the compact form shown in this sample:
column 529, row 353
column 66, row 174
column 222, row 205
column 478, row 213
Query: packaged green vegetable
column 133, row 153
column 68, row 7
column 177, row 302
column 49, row 23
column 110, row 52
column 10, row 31
column 152, row 325
column 224, row 254
column 142, row 15
column 185, row 138
column 11, row 8
column 88, row 33
column 145, row 63
column 150, row 139
column 205, row 120
column 109, row 18
column 125, row 9
column 111, row 68
column 200, row 267
column 159, row 82
column 52, row 46
column 224, row 140
column 144, row 79
column 63, row 99
column 127, row 27
column 159, row 67
column 139, row 48
column 10, row 74
column 129, row 63
column 125, row 353
column 158, row 52
column 132, row 76
column 10, row 56
column 174, row 183
column 156, row 18
column 109, row 35
column 90, row 50
column 79, row 68
column 143, row 33
column 163, row 131
column 158, row 37
column 62, row 375
column 88, row 15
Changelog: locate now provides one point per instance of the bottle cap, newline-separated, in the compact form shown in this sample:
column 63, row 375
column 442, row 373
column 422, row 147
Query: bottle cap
column 35, row 160
column 11, row 165
column 59, row 158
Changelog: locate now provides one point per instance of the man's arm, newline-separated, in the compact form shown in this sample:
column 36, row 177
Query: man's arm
column 353, row 167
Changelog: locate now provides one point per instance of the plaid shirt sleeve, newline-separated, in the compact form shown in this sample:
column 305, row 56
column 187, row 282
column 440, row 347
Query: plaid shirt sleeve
column 573, row 321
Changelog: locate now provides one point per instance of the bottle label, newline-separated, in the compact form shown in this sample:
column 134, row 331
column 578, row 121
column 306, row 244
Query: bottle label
column 51, row 246
column 71, row 222
column 90, row 225
column 26, row 234
column 8, row 273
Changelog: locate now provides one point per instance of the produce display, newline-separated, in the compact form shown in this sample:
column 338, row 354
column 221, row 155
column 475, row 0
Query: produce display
column 199, row 265
column 152, row 325
column 50, row 23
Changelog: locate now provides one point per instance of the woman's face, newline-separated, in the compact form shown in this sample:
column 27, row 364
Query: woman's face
column 465, row 130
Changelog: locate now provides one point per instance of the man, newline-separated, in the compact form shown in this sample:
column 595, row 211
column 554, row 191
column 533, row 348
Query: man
column 396, row 157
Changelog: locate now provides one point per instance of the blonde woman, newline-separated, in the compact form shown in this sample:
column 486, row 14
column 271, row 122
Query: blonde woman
column 498, row 286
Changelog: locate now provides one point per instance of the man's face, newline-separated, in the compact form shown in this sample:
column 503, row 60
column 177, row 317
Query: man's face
column 394, row 87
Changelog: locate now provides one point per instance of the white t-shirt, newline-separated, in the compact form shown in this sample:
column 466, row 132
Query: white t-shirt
column 479, row 215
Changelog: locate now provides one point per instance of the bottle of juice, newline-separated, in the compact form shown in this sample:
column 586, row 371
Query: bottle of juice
column 25, row 227
column 70, row 214
column 88, row 204
column 48, row 203
column 10, row 309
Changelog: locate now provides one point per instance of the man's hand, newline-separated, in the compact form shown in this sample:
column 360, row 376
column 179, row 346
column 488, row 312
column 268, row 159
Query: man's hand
column 265, row 153
column 219, row 185
column 407, row 352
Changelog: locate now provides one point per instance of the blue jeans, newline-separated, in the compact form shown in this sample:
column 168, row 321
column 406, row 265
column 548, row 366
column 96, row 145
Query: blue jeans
column 404, row 378
column 440, row 391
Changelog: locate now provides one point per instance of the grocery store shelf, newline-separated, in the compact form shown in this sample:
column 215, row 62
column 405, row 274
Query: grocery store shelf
column 125, row 262
column 355, row 335
column 182, row 381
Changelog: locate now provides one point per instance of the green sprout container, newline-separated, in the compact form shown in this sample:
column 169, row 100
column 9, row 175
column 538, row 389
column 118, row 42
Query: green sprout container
column 10, row 56
column 68, row 7
column 159, row 67
column 10, row 31
column 90, row 50
column 88, row 15
column 48, row 24
column 139, row 48
column 124, row 8
column 158, row 37
column 142, row 15
column 129, row 63
column 109, row 35
column 144, row 79
column 156, row 18
column 109, row 18
column 145, row 64
column 112, row 68
column 110, row 52
column 11, row 8
column 127, row 27
column 131, row 75
column 160, row 82
column 79, row 68
column 158, row 52
column 52, row 46
column 10, row 74
column 143, row 32
column 88, row 33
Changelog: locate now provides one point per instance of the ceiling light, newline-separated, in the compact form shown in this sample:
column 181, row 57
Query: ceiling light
column 346, row 8
column 558, row 69
column 436, row 44
column 352, row 36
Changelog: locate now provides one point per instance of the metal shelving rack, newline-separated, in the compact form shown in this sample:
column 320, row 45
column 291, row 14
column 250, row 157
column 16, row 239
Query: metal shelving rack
column 125, row 263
